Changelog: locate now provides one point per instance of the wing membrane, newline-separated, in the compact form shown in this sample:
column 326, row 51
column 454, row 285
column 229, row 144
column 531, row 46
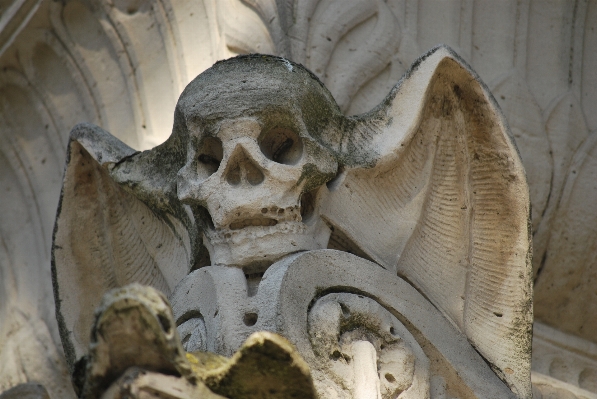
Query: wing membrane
column 105, row 237
column 445, row 205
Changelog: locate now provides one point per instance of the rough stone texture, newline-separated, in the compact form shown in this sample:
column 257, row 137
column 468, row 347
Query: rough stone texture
column 122, row 64
column 430, row 187
column 135, row 352
column 133, row 327
column 443, row 359
column 30, row 354
column 118, row 234
column 141, row 384
column 29, row 390
column 564, row 362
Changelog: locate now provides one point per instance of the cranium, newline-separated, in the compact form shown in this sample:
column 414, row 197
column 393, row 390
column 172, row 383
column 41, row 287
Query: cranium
column 254, row 160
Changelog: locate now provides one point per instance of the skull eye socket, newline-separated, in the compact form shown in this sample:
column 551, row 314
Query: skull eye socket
column 210, row 156
column 282, row 146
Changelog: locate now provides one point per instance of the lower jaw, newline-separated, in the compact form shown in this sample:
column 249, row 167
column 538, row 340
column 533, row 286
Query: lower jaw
column 256, row 248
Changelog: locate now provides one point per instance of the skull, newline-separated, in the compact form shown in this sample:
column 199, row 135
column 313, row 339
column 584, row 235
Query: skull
column 254, row 161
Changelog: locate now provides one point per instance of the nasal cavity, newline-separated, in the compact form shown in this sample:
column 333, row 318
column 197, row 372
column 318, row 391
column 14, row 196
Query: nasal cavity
column 253, row 174
column 242, row 169
column 233, row 175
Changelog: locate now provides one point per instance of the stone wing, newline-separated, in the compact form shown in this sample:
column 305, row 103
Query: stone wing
column 442, row 200
column 106, row 237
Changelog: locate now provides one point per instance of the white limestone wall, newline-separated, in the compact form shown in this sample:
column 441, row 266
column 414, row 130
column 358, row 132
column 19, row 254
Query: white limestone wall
column 122, row 64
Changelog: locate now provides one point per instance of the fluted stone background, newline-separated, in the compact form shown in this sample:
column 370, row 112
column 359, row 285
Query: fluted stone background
column 121, row 64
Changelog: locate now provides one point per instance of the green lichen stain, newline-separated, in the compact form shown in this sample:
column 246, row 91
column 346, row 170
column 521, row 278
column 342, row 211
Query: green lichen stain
column 266, row 366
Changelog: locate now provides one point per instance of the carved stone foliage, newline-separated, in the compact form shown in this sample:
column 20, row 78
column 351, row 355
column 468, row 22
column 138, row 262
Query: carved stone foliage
column 135, row 352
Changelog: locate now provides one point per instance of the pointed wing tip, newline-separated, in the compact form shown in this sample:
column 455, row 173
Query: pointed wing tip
column 435, row 56
column 443, row 51
column 100, row 144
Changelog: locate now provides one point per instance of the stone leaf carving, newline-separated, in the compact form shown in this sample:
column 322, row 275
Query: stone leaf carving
column 133, row 327
column 428, row 185
column 136, row 352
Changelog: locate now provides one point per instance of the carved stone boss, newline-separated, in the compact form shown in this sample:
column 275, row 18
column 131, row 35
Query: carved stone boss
column 391, row 248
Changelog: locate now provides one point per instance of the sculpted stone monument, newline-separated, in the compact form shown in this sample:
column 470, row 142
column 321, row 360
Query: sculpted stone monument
column 391, row 249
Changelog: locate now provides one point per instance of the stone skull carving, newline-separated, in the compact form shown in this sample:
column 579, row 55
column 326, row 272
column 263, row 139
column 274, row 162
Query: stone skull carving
column 428, row 185
column 258, row 197
column 254, row 169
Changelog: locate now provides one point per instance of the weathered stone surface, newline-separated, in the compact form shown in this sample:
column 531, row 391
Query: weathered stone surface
column 265, row 366
column 106, row 238
column 26, row 391
column 133, row 327
column 372, row 353
column 29, row 354
column 141, row 384
column 135, row 352
column 122, row 64
column 564, row 362
column 428, row 185
column 287, row 302
column 65, row 62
